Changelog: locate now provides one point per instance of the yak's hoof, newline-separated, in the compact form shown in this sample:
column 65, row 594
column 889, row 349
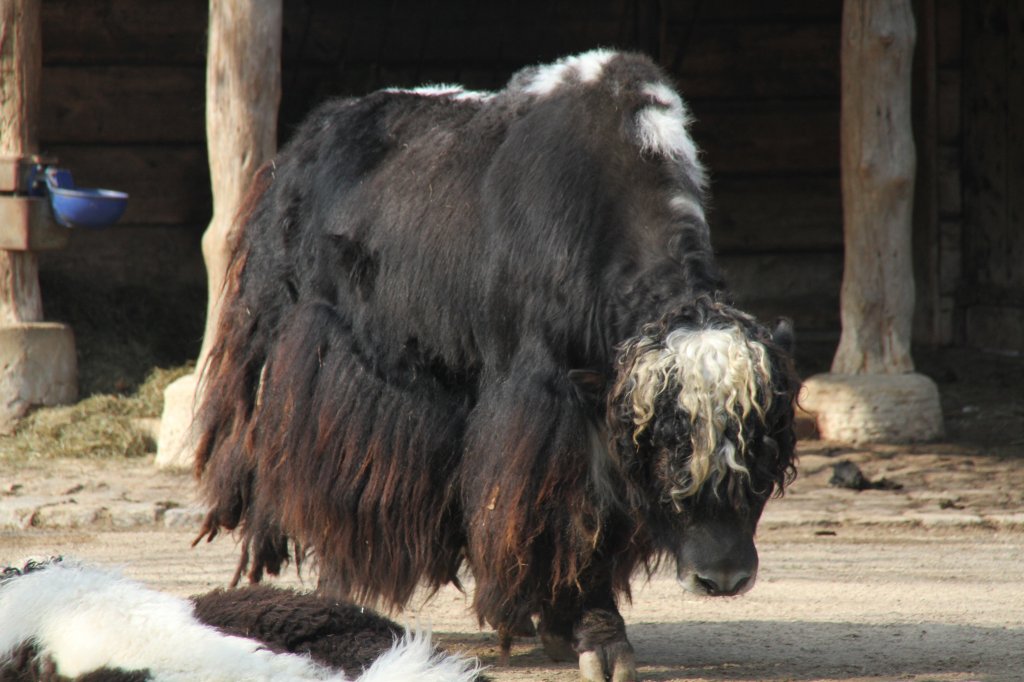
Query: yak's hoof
column 557, row 647
column 613, row 661
column 605, row 653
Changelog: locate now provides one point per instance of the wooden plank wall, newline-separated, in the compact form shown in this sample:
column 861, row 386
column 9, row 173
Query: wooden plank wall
column 992, row 291
column 948, row 187
column 123, row 108
column 938, row 205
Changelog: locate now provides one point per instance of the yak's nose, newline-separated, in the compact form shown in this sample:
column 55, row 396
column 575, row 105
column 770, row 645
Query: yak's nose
column 724, row 583
column 718, row 559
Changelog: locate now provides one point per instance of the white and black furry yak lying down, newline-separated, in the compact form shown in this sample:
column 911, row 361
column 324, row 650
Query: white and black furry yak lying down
column 488, row 328
column 64, row 621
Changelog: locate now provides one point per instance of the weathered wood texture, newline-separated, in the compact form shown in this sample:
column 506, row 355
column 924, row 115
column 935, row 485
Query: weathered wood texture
column 947, row 191
column 993, row 174
column 878, row 165
column 925, row 234
column 243, row 89
column 122, row 107
column 20, row 68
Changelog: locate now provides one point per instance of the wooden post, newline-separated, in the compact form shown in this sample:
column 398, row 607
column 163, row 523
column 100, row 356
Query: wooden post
column 878, row 163
column 872, row 393
column 38, row 365
column 243, row 90
column 21, row 64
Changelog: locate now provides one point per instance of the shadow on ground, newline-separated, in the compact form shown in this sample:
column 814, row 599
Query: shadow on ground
column 779, row 650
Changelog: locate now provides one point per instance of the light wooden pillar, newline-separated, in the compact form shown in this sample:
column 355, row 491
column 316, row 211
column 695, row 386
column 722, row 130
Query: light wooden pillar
column 243, row 91
column 872, row 393
column 37, row 360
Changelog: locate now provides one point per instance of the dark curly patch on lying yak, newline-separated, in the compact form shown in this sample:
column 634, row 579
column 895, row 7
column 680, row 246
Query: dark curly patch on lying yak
column 488, row 329
column 26, row 664
column 335, row 633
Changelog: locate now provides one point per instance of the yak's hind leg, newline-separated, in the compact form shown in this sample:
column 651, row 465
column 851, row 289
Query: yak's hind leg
column 356, row 460
column 540, row 509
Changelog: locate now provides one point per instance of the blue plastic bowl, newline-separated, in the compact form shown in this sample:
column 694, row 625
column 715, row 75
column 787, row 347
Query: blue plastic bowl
column 78, row 207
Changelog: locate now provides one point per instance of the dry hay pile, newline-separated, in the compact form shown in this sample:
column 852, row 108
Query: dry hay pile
column 131, row 343
column 102, row 425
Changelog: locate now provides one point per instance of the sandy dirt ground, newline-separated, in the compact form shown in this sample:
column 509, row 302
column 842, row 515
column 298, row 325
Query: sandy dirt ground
column 924, row 583
column 843, row 604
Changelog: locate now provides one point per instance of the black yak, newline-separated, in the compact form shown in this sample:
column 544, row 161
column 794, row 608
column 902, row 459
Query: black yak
column 64, row 621
column 487, row 329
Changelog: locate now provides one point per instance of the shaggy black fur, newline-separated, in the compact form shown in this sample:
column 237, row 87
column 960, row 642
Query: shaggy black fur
column 337, row 634
column 418, row 365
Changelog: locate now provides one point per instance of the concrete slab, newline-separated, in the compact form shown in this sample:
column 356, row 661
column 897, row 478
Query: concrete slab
column 874, row 408
column 38, row 366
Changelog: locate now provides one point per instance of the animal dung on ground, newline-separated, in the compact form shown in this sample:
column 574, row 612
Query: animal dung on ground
column 846, row 474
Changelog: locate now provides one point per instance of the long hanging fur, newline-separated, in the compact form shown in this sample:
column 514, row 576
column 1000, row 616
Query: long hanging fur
column 70, row 621
column 390, row 391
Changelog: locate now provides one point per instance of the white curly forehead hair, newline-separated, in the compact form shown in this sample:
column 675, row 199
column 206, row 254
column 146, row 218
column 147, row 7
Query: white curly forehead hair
column 718, row 377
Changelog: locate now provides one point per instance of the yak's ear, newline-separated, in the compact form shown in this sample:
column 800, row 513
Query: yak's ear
column 783, row 334
column 590, row 385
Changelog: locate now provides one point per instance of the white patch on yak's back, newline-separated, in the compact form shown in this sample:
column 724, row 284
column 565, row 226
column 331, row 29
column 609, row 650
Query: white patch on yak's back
column 686, row 206
column 662, row 127
column 719, row 375
column 455, row 92
column 586, row 68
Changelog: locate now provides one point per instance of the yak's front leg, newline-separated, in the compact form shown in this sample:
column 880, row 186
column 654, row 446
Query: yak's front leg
column 589, row 628
column 605, row 653
column 533, row 520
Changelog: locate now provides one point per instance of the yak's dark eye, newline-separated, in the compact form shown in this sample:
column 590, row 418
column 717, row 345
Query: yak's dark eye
column 670, row 429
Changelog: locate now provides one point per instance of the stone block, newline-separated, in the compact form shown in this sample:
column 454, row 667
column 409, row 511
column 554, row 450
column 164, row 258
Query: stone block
column 945, row 519
column 874, row 408
column 38, row 366
column 184, row 517
column 132, row 514
column 17, row 513
column 67, row 515
column 1009, row 520
column 176, row 446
